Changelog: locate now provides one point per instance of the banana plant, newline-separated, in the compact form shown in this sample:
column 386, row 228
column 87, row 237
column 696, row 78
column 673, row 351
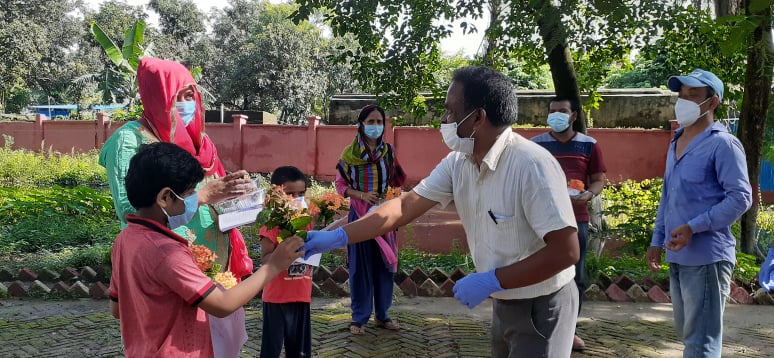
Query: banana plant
column 121, row 79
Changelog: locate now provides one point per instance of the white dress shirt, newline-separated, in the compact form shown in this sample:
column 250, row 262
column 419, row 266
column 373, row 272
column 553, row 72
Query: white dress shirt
column 517, row 196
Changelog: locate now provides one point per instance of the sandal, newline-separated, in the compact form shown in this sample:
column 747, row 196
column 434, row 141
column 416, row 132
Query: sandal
column 356, row 329
column 388, row 324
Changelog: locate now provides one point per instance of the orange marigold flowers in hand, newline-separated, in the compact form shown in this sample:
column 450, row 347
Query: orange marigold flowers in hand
column 204, row 257
column 577, row 185
column 392, row 193
column 280, row 210
column 225, row 279
column 325, row 205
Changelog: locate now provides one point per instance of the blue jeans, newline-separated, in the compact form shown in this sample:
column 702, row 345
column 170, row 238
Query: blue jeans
column 699, row 296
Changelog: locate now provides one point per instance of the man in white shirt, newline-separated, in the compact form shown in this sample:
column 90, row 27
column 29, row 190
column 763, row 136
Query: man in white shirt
column 511, row 195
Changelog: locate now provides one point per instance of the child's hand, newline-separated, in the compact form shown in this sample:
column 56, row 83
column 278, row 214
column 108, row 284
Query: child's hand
column 285, row 253
column 227, row 187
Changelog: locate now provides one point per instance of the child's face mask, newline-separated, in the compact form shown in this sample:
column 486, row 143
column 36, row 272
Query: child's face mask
column 191, row 207
column 300, row 202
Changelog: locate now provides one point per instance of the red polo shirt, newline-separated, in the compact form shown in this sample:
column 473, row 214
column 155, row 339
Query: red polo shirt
column 158, row 286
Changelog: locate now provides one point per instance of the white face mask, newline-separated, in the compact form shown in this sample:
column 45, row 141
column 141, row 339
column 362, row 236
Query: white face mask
column 300, row 203
column 453, row 141
column 687, row 112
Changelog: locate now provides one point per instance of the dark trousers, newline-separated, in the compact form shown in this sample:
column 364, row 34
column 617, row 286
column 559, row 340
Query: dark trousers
column 288, row 323
column 370, row 282
column 583, row 238
column 535, row 327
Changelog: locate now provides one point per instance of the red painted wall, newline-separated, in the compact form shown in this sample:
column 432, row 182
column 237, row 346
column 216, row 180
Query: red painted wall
column 315, row 149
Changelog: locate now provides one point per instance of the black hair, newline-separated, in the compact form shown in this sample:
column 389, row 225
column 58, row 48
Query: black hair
column 485, row 88
column 574, row 104
column 364, row 114
column 286, row 174
column 157, row 166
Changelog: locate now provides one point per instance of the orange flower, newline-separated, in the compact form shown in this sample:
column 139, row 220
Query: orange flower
column 225, row 279
column 392, row 193
column 203, row 256
column 576, row 184
column 325, row 206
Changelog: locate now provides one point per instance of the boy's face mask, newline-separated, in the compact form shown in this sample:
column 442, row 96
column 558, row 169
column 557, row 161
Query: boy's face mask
column 191, row 207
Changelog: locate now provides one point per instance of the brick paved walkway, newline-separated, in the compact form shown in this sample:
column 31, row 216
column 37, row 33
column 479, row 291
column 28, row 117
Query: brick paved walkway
column 430, row 328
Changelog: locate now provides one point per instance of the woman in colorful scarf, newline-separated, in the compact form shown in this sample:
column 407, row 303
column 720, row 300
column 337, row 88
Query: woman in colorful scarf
column 172, row 112
column 367, row 168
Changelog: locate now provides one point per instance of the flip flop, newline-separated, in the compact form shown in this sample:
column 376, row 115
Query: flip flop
column 356, row 329
column 388, row 324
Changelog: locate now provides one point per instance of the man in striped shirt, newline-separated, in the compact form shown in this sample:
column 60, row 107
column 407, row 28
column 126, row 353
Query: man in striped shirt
column 581, row 159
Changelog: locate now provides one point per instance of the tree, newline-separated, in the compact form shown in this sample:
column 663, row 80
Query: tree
column 399, row 39
column 121, row 79
column 757, row 98
column 281, row 67
column 38, row 40
column 180, row 19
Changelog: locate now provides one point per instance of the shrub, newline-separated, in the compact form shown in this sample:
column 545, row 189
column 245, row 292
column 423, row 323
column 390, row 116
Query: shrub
column 55, row 218
column 630, row 210
column 75, row 256
column 24, row 168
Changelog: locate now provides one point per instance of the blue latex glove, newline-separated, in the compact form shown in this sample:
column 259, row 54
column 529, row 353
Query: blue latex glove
column 324, row 241
column 473, row 289
column 766, row 275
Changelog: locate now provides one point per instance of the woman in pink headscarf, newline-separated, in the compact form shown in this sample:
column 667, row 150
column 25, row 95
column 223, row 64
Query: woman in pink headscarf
column 172, row 112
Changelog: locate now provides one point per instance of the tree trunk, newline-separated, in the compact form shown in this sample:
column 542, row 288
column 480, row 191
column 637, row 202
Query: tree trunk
column 491, row 58
column 752, row 119
column 726, row 7
column 554, row 35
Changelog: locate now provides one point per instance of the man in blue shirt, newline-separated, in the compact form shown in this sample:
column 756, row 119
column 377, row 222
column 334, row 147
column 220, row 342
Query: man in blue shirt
column 705, row 190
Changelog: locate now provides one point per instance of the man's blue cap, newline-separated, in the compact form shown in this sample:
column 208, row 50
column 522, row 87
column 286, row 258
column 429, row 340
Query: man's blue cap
column 697, row 78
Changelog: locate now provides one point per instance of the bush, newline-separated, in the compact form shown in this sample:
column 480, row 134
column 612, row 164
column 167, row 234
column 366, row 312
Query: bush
column 76, row 257
column 634, row 267
column 630, row 210
column 23, row 168
column 55, row 218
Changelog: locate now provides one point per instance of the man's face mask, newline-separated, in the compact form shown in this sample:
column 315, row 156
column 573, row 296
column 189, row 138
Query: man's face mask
column 688, row 112
column 558, row 121
column 453, row 140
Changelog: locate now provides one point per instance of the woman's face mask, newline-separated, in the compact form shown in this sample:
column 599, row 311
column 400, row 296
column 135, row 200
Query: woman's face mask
column 191, row 207
column 453, row 140
column 186, row 110
column 373, row 131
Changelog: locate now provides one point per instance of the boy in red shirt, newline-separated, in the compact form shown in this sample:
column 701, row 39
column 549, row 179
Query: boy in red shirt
column 156, row 290
column 286, row 299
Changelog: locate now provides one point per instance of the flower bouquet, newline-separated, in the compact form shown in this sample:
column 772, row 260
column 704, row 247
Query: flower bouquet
column 325, row 206
column 280, row 210
column 229, row 333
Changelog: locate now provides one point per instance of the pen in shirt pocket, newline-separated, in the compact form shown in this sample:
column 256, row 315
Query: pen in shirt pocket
column 492, row 215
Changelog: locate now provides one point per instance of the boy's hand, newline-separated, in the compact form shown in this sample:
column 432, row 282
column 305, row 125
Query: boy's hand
column 285, row 253
column 324, row 241
column 227, row 187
